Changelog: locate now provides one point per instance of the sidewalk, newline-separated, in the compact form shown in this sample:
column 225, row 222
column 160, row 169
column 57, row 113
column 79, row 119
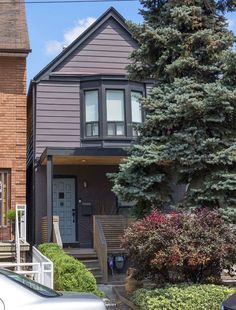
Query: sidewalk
column 110, row 299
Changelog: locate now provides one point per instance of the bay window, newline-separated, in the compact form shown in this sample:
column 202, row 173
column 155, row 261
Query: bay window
column 110, row 110
column 91, row 113
column 115, row 112
column 136, row 110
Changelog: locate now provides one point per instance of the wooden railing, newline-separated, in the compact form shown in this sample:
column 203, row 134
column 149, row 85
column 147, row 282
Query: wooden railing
column 56, row 230
column 100, row 246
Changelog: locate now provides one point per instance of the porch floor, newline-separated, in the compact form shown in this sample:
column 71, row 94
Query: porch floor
column 81, row 252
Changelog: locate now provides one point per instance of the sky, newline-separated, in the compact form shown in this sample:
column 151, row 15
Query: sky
column 52, row 26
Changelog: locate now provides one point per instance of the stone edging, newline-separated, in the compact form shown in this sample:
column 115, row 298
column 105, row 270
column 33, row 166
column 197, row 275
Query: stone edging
column 123, row 299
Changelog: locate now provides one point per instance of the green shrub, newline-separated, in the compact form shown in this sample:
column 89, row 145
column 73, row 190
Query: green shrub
column 69, row 273
column 11, row 214
column 187, row 297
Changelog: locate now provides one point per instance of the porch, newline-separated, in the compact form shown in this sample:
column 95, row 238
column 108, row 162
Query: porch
column 13, row 244
column 107, row 230
column 73, row 184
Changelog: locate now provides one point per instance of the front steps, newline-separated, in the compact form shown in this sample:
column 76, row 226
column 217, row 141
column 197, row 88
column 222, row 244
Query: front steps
column 89, row 258
column 8, row 251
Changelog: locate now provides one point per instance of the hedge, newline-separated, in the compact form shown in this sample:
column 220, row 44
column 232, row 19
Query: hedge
column 69, row 273
column 187, row 297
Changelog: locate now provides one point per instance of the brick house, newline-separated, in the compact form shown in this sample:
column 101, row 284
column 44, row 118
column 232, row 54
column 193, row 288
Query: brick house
column 14, row 48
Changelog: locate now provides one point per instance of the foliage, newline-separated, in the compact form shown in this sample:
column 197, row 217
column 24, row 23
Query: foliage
column 69, row 273
column 188, row 136
column 181, row 247
column 11, row 214
column 187, row 297
column 229, row 215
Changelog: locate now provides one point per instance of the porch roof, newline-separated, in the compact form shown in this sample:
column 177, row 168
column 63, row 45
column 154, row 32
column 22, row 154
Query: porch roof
column 83, row 156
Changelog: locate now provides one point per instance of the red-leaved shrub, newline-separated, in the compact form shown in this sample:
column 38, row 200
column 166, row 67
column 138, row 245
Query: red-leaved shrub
column 181, row 247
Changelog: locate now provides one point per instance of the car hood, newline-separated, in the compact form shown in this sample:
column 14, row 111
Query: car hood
column 230, row 302
column 80, row 296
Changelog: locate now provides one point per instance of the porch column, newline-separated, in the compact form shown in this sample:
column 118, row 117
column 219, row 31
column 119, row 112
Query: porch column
column 49, row 196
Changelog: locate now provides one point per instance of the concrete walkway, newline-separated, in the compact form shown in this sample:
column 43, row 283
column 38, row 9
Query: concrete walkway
column 111, row 302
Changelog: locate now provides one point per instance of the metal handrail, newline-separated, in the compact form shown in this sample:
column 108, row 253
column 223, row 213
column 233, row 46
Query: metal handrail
column 20, row 230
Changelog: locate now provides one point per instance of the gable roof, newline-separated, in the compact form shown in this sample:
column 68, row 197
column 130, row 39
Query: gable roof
column 110, row 13
column 13, row 27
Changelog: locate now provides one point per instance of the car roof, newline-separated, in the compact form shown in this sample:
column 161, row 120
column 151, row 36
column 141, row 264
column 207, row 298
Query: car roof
column 230, row 302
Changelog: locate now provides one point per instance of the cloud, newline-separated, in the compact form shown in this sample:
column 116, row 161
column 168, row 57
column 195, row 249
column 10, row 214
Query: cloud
column 54, row 47
column 232, row 24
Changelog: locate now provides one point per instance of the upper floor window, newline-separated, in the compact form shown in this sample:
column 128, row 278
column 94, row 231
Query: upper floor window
column 111, row 109
column 91, row 113
column 115, row 112
column 136, row 110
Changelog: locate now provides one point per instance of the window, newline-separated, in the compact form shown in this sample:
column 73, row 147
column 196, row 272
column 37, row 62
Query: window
column 136, row 110
column 111, row 110
column 30, row 284
column 91, row 113
column 4, row 196
column 115, row 112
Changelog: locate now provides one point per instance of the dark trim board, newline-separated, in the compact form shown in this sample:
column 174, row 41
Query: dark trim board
column 50, row 197
column 83, row 151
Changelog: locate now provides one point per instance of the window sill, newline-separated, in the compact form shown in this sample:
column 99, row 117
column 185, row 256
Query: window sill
column 107, row 138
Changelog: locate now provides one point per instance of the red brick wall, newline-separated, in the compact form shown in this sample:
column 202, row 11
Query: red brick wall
column 13, row 126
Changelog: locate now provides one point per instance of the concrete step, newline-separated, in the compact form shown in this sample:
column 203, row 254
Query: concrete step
column 89, row 258
column 99, row 278
column 90, row 263
column 81, row 254
column 4, row 255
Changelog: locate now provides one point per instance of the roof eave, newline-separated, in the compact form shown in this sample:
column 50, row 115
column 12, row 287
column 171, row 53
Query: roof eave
column 111, row 12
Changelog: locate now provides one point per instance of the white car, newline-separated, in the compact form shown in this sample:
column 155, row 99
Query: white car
column 20, row 293
column 229, row 303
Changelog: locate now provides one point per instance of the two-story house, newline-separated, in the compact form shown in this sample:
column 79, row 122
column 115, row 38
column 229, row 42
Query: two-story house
column 82, row 109
column 14, row 48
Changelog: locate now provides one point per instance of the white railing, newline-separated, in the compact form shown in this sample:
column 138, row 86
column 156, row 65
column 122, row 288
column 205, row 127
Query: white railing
column 40, row 270
column 21, row 219
column 46, row 268
column 20, row 230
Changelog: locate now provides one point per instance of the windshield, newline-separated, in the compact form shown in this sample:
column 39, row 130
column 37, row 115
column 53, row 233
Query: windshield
column 30, row 284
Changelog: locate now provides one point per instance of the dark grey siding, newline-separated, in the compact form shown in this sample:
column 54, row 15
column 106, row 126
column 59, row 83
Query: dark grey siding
column 40, row 200
column 104, row 52
column 57, row 115
column 29, row 129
